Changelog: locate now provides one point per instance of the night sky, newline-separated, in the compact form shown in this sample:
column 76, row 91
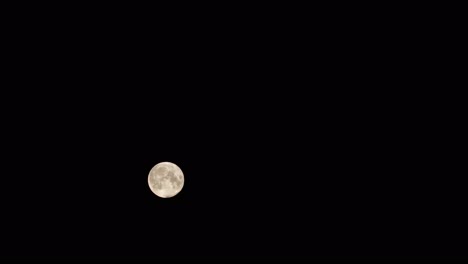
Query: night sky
column 290, row 149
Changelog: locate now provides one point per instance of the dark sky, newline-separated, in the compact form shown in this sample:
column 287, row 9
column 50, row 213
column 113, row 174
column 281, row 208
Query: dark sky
column 295, row 150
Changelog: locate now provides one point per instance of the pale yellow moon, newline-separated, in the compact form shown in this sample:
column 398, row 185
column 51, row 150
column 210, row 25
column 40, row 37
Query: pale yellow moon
column 166, row 179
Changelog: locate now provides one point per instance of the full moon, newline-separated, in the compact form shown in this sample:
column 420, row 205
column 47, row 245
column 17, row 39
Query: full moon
column 166, row 179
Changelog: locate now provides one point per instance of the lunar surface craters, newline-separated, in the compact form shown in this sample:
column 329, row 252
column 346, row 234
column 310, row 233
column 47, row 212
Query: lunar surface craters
column 166, row 179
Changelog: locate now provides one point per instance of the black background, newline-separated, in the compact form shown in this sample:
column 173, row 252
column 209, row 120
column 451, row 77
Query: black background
column 296, row 141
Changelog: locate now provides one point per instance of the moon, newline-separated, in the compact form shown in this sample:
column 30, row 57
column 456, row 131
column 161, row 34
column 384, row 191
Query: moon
column 166, row 179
